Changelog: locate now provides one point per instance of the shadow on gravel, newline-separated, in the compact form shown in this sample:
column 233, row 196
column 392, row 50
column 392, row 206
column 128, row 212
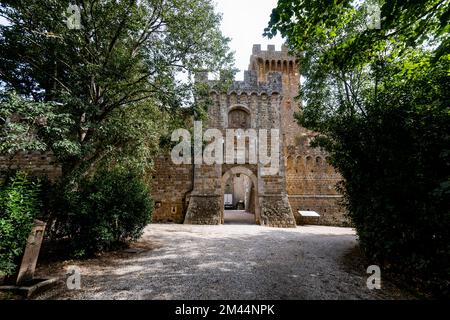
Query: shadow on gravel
column 222, row 263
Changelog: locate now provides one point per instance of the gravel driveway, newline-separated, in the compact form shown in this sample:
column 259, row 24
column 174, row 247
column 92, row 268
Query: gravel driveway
column 234, row 261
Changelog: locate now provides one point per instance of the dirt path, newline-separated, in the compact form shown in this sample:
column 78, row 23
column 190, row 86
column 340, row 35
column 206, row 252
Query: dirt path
column 227, row 262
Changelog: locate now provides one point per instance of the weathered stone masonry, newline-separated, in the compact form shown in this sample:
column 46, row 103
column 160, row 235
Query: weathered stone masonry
column 264, row 100
column 41, row 164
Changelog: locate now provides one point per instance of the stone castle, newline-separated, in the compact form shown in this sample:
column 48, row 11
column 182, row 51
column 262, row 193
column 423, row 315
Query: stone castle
column 194, row 194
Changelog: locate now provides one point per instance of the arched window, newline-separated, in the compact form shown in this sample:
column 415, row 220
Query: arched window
column 309, row 165
column 319, row 161
column 238, row 119
column 290, row 166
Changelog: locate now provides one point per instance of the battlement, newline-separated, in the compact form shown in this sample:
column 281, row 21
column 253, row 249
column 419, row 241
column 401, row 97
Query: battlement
column 250, row 83
column 271, row 53
column 271, row 60
column 265, row 73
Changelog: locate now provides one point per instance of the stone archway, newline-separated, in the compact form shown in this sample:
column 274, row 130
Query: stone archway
column 245, row 171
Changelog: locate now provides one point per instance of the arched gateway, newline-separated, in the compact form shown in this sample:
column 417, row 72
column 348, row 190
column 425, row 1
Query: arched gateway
column 264, row 100
column 247, row 172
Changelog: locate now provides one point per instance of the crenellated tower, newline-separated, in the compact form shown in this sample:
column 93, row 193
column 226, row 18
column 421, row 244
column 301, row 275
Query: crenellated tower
column 270, row 60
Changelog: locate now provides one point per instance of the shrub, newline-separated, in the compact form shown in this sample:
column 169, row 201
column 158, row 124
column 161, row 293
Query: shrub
column 396, row 165
column 103, row 213
column 398, row 195
column 19, row 206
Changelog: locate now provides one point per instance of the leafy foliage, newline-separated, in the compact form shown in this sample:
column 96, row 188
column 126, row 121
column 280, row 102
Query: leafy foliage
column 19, row 205
column 29, row 125
column 104, row 212
column 380, row 98
column 102, row 98
column 114, row 84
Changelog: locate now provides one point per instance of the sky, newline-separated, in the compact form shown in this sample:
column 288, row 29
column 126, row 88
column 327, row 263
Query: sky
column 244, row 21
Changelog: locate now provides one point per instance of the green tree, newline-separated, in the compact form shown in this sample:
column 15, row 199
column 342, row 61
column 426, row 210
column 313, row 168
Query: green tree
column 105, row 91
column 380, row 98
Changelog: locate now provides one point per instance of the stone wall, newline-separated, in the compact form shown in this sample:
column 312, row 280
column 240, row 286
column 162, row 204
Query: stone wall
column 35, row 163
column 206, row 200
column 171, row 185
column 328, row 206
column 276, row 212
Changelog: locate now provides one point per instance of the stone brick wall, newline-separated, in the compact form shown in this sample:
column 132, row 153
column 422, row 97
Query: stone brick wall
column 35, row 163
column 171, row 186
column 311, row 184
column 328, row 206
